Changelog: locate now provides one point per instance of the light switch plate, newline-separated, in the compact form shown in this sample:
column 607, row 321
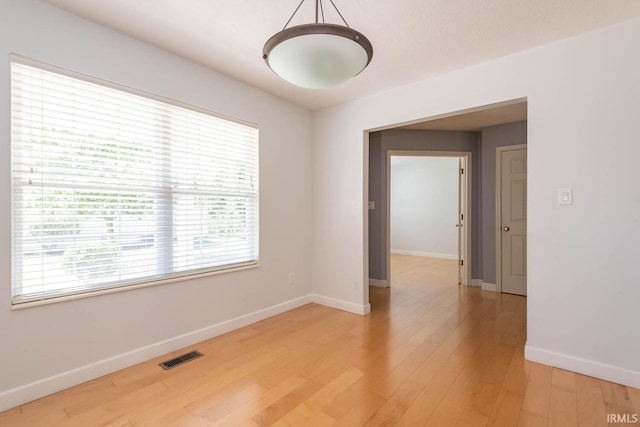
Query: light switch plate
column 565, row 196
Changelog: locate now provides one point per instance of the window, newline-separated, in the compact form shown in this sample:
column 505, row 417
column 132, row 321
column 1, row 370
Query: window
column 113, row 189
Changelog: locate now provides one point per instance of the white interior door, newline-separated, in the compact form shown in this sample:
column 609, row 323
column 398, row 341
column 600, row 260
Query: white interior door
column 513, row 216
column 462, row 208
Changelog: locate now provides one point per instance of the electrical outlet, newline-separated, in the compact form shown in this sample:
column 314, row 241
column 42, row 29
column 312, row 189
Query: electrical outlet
column 292, row 278
column 565, row 196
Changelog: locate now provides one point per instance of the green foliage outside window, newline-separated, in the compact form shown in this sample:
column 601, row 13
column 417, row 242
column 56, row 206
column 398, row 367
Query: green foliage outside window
column 92, row 260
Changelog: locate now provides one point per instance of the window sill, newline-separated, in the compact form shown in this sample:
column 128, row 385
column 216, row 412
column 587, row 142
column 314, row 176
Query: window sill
column 90, row 294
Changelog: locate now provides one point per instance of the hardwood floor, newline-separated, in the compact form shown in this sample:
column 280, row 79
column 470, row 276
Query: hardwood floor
column 430, row 353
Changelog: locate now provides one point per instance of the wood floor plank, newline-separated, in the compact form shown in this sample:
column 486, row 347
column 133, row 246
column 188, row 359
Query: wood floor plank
column 416, row 387
column 563, row 407
column 388, row 385
column 256, row 406
column 118, row 410
column 527, row 419
column 11, row 415
column 479, row 407
column 42, row 417
column 431, row 353
column 563, row 380
column 362, row 411
column 617, row 400
column 454, row 402
column 280, row 408
column 344, row 401
column 304, row 412
column 591, row 408
column 506, row 410
column 218, row 405
column 563, row 411
column 308, row 360
column 178, row 418
column 89, row 394
column 517, row 374
column 432, row 396
column 634, row 394
column 538, row 391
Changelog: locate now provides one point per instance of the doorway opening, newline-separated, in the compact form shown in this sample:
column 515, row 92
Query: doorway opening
column 482, row 132
column 428, row 204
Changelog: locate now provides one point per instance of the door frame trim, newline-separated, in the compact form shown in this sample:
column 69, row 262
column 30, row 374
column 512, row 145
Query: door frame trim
column 467, row 213
column 499, row 151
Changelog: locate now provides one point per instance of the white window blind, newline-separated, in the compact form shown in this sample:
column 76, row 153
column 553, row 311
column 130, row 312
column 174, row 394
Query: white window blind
column 111, row 189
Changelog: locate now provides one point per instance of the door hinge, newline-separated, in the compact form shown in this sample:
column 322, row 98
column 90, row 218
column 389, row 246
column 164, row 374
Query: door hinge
column 461, row 262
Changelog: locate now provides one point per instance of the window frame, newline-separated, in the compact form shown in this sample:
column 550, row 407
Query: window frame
column 147, row 281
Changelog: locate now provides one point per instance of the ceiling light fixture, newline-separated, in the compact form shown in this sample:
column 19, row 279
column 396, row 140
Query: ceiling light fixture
column 317, row 55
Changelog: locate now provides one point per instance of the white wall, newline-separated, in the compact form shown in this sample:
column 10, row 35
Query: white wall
column 583, row 133
column 41, row 342
column 424, row 206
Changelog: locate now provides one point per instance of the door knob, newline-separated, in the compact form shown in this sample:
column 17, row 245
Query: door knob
column 506, row 228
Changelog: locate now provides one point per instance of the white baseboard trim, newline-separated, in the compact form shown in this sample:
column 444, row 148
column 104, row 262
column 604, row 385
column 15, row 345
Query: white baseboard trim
column 491, row 287
column 378, row 283
column 476, row 283
column 341, row 305
column 583, row 366
column 425, row 254
column 29, row 392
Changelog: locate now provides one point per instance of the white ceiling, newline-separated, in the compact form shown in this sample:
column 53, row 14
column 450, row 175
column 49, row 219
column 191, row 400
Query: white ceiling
column 475, row 120
column 412, row 39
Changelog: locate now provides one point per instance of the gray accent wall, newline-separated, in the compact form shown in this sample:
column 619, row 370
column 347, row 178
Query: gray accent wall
column 492, row 137
column 415, row 140
column 377, row 216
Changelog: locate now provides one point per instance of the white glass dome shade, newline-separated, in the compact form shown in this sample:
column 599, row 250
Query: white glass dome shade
column 317, row 56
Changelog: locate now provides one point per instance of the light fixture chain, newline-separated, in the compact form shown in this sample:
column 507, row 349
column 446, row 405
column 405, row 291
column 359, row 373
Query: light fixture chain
column 336, row 8
column 294, row 14
column 322, row 11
